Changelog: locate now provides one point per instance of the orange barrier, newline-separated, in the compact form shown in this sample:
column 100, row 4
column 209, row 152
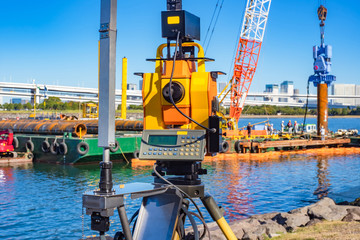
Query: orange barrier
column 277, row 155
column 268, row 156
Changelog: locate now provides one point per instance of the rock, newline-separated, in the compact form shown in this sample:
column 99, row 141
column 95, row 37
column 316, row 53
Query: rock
column 302, row 210
column 313, row 222
column 251, row 229
column 292, row 221
column 356, row 202
column 258, row 227
column 257, row 233
column 216, row 235
column 328, row 210
column 265, row 216
column 344, row 203
column 214, row 229
column 353, row 215
column 249, row 226
column 273, row 228
column 97, row 238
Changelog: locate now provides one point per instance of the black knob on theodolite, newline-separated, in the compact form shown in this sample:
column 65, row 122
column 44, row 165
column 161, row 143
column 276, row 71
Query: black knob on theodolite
column 105, row 183
column 174, row 5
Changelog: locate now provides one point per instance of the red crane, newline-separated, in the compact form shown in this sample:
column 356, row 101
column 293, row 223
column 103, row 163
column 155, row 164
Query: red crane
column 247, row 55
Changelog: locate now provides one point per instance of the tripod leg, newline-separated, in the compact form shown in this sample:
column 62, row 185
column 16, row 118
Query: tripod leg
column 176, row 236
column 218, row 217
column 124, row 222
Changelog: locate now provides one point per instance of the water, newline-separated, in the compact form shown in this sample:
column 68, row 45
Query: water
column 43, row 201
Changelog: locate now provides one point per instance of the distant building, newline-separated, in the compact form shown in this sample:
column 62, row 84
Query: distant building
column 345, row 90
column 287, row 87
column 140, row 84
column 357, row 93
column 15, row 100
column 273, row 89
column 296, row 92
column 1, row 98
column 131, row 86
column 222, row 85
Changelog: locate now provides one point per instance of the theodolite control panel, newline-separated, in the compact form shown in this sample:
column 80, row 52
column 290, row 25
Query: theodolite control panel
column 173, row 145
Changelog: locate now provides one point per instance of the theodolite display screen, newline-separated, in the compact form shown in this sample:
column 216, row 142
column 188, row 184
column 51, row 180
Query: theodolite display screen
column 162, row 140
column 173, row 145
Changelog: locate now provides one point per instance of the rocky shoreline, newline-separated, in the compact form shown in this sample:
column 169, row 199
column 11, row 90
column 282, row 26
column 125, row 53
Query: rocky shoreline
column 271, row 225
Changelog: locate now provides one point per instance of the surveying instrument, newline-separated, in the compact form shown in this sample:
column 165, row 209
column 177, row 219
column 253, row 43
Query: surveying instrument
column 180, row 128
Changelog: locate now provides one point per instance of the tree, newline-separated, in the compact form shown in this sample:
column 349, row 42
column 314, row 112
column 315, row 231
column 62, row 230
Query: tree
column 18, row 106
column 139, row 107
column 345, row 111
column 52, row 103
column 10, row 107
column 65, row 106
column 28, row 106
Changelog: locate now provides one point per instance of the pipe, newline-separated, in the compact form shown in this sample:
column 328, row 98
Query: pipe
column 58, row 127
column 44, row 127
column 322, row 107
column 120, row 125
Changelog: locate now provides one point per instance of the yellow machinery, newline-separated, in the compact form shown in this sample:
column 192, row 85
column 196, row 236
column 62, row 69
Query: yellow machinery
column 180, row 117
column 195, row 92
column 90, row 110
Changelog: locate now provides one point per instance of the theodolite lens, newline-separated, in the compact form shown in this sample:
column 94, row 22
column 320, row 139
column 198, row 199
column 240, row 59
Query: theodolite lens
column 177, row 92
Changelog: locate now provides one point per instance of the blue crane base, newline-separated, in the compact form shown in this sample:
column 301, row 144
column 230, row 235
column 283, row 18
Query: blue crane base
column 317, row 79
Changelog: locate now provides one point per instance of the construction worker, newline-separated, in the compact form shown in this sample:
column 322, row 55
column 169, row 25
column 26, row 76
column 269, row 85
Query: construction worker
column 322, row 133
column 248, row 128
column 295, row 127
column 266, row 128
column 289, row 125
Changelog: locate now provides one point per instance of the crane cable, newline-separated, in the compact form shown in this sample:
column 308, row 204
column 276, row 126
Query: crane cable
column 212, row 32
column 232, row 63
column 236, row 43
column 306, row 106
column 212, row 18
column 212, row 130
column 322, row 2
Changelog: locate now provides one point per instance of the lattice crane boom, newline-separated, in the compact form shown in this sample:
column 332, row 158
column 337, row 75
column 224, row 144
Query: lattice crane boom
column 247, row 55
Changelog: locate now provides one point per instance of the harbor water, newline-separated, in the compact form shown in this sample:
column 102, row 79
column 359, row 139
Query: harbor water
column 43, row 201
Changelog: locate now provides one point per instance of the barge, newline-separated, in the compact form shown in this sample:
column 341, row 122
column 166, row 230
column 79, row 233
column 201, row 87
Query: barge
column 264, row 146
column 67, row 149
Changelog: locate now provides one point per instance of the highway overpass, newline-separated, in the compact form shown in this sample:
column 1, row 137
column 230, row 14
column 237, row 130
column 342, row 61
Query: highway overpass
column 39, row 92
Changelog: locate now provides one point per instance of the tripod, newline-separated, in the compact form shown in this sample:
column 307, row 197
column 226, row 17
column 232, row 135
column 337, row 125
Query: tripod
column 164, row 206
column 189, row 186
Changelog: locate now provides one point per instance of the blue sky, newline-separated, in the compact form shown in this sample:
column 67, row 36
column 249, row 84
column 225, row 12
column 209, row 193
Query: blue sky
column 55, row 41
